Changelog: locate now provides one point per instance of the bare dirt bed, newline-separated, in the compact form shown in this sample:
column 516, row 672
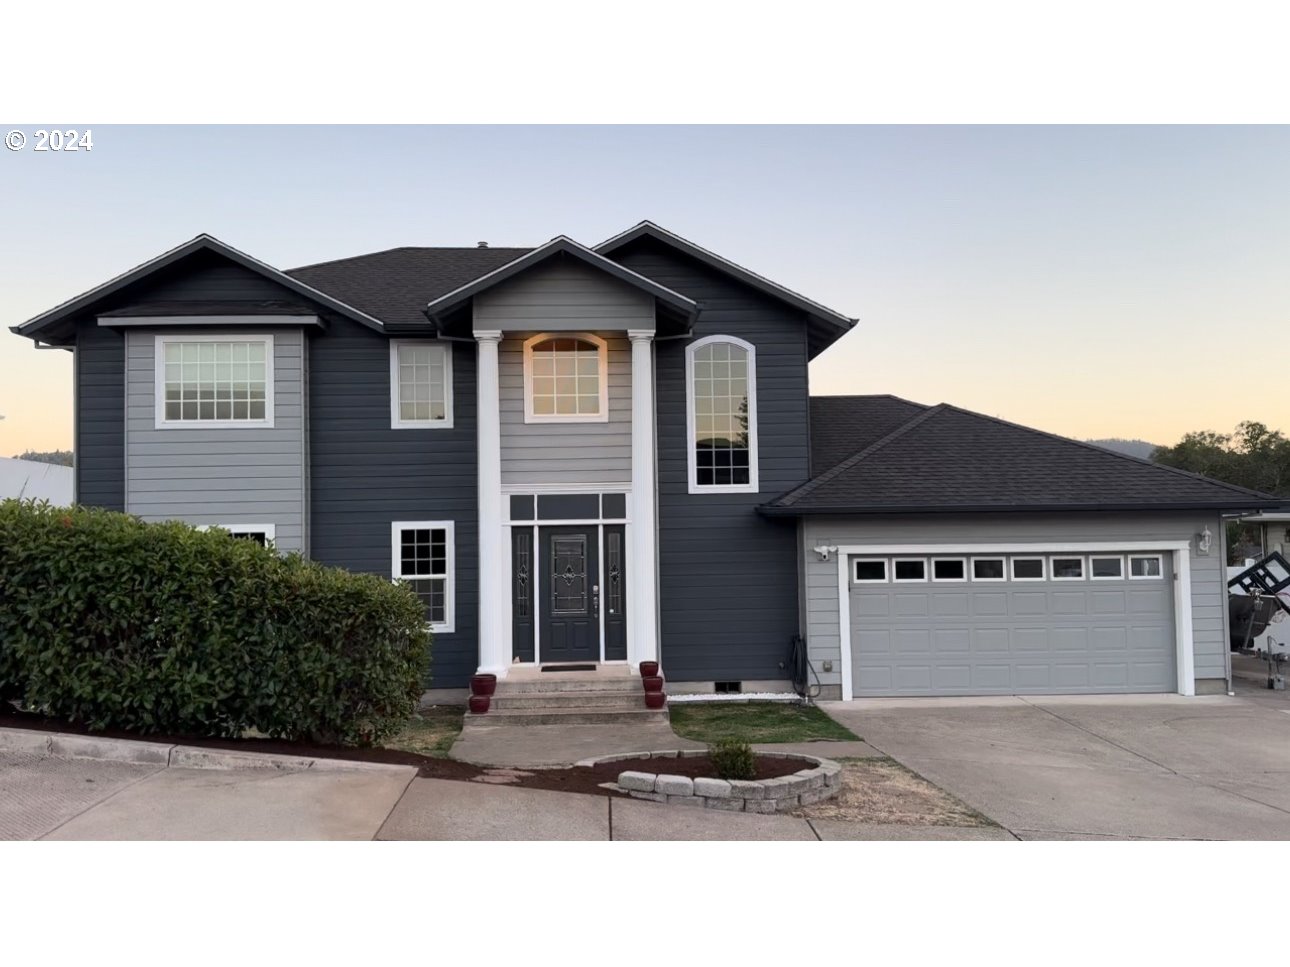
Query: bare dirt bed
column 883, row 791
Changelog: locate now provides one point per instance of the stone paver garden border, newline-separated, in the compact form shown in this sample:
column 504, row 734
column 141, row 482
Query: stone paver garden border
column 820, row 779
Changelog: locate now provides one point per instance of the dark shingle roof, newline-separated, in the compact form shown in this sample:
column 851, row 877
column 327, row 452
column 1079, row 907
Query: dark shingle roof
column 841, row 425
column 948, row 459
column 394, row 286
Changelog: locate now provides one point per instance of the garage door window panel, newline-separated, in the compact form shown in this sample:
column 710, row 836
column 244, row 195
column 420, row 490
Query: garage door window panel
column 1146, row 567
column 1067, row 568
column 989, row 569
column 1027, row 568
column 906, row 570
column 870, row 571
column 949, row 569
column 1106, row 568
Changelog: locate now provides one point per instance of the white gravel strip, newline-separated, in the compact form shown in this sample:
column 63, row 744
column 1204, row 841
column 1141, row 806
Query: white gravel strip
column 735, row 697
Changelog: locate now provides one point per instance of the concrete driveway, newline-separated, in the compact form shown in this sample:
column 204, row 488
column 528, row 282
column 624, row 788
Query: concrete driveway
column 1150, row 767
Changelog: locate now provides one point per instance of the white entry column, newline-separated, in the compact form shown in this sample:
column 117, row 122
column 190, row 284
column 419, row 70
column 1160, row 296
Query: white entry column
column 642, row 601
column 493, row 640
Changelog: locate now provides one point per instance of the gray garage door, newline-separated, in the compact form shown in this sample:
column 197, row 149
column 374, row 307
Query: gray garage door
column 998, row 626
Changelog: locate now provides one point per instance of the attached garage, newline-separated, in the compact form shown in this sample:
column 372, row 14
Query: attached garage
column 953, row 553
column 1044, row 621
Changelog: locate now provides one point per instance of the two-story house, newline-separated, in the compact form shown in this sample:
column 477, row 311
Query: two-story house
column 611, row 455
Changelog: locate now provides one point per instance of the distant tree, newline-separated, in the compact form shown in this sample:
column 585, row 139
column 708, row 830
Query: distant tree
column 62, row 458
column 1252, row 456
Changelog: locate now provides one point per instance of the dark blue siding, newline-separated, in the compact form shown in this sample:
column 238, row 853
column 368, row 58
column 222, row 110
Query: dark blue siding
column 100, row 417
column 728, row 577
column 365, row 475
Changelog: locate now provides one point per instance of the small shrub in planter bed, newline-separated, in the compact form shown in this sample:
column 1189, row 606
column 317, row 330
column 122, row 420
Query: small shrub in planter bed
column 733, row 759
column 114, row 623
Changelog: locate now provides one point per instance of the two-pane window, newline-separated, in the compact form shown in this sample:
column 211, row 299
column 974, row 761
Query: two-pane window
column 566, row 379
column 423, row 557
column 214, row 381
column 722, row 398
column 420, row 384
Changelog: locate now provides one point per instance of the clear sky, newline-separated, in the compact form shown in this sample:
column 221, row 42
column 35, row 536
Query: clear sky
column 1091, row 281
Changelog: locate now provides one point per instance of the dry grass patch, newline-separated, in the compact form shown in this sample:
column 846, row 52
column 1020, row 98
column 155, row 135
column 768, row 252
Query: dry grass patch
column 881, row 790
column 431, row 731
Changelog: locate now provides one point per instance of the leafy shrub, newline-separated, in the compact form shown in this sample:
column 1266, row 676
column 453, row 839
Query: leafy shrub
column 733, row 759
column 114, row 623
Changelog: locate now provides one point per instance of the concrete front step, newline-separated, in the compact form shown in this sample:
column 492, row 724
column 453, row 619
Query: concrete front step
column 552, row 682
column 627, row 700
column 568, row 716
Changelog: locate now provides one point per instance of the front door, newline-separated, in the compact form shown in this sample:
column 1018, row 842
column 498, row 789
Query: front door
column 570, row 591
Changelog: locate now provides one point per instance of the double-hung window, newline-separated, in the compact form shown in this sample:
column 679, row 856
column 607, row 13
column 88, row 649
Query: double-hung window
column 721, row 404
column 214, row 381
column 423, row 557
column 420, row 384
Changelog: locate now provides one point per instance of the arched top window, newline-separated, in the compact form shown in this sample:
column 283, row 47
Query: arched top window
column 566, row 379
column 721, row 405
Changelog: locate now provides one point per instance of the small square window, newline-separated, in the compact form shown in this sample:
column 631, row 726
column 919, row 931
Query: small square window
column 1106, row 568
column 909, row 570
column 988, row 569
column 949, row 569
column 1067, row 568
column 1027, row 568
column 1145, row 567
column 867, row 572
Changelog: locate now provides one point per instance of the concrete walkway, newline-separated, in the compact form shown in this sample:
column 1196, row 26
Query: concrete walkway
column 1125, row 767
column 546, row 746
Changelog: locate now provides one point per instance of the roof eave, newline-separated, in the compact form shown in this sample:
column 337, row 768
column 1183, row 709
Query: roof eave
column 449, row 301
column 816, row 310
column 65, row 310
column 791, row 510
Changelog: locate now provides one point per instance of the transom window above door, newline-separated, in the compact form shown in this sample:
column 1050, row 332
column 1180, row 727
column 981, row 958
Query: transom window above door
column 721, row 401
column 214, row 381
column 420, row 384
column 566, row 379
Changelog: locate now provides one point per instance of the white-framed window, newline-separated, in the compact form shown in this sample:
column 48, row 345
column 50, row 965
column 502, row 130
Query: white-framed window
column 420, row 384
column 423, row 555
column 721, row 410
column 263, row 534
column 566, row 378
column 1066, row 568
column 1027, row 568
column 949, row 569
column 909, row 570
column 213, row 381
column 1145, row 567
column 989, row 569
column 1106, row 568
column 869, row 570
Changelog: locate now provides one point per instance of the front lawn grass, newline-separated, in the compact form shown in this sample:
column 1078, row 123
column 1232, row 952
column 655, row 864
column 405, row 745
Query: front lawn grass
column 754, row 722
column 431, row 731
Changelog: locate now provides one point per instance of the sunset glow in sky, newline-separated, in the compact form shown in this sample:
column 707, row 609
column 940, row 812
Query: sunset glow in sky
column 1090, row 281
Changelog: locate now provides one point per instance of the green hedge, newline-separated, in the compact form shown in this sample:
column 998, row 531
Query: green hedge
column 114, row 623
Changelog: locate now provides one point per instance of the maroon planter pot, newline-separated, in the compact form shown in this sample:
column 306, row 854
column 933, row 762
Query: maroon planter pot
column 655, row 699
column 479, row 704
column 652, row 684
column 649, row 669
column 484, row 684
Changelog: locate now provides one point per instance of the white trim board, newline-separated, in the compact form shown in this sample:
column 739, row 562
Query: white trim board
column 1181, row 550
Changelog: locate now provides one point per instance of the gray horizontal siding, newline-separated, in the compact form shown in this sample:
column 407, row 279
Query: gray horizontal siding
column 224, row 475
column 567, row 453
column 1209, row 593
column 727, row 576
column 564, row 295
column 100, row 417
column 365, row 475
